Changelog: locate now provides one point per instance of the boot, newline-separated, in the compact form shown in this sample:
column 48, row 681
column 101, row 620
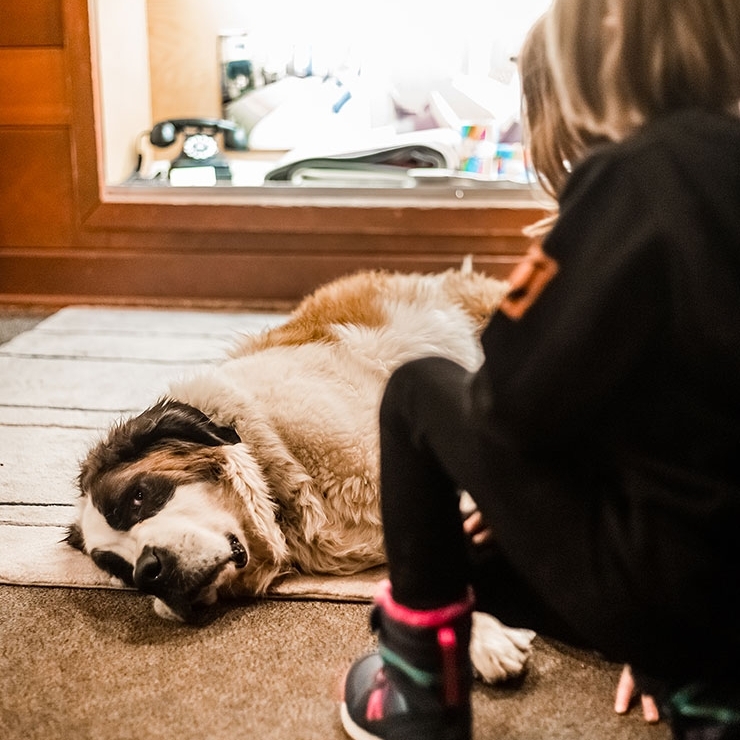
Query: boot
column 417, row 686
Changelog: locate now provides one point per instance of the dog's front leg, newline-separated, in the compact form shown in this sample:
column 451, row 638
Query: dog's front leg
column 498, row 652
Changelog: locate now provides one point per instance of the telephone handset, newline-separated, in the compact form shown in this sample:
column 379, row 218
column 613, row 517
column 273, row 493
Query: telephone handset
column 199, row 147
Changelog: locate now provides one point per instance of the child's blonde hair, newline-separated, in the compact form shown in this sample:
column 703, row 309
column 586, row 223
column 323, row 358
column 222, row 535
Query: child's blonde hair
column 618, row 63
column 551, row 144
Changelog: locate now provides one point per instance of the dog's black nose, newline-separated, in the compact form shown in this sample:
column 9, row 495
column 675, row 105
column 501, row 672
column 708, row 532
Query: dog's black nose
column 153, row 569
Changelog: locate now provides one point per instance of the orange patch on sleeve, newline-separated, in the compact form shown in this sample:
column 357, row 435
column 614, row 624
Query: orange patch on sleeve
column 527, row 281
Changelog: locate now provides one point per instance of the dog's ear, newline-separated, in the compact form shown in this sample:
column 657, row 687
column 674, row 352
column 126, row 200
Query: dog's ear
column 169, row 419
column 74, row 537
column 245, row 480
column 166, row 420
column 289, row 483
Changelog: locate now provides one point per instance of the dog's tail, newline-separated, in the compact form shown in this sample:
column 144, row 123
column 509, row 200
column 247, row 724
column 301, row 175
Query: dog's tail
column 466, row 268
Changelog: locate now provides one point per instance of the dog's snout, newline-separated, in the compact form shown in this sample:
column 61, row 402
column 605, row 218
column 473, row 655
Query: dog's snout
column 153, row 568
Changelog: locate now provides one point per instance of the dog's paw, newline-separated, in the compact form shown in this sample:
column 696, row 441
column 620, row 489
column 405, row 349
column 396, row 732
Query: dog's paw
column 498, row 652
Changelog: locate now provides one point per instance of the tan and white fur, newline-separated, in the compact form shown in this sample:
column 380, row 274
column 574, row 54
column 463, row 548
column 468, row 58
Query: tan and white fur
column 267, row 464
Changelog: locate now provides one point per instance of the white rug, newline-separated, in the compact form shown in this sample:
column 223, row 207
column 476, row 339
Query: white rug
column 62, row 384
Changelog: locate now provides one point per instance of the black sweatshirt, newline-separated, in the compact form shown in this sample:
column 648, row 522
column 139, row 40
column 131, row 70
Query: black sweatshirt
column 617, row 394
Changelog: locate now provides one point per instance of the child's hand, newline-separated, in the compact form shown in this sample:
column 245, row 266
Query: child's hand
column 478, row 531
column 625, row 694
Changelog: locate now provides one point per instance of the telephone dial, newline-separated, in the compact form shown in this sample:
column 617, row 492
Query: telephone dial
column 199, row 147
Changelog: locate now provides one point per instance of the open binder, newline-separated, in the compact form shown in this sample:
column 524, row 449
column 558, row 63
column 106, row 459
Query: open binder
column 386, row 163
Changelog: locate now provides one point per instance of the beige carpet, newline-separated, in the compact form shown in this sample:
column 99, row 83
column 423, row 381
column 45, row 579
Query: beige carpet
column 61, row 385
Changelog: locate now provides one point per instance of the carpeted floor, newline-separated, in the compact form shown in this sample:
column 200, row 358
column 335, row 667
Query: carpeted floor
column 90, row 663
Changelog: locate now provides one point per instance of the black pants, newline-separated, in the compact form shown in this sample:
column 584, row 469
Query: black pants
column 431, row 449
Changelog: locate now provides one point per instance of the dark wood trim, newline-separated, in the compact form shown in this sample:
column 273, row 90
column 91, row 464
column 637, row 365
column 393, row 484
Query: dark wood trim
column 82, row 83
column 114, row 276
column 413, row 220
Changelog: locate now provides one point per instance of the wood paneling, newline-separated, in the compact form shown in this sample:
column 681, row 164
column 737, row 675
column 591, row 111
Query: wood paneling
column 33, row 88
column 31, row 23
column 36, row 187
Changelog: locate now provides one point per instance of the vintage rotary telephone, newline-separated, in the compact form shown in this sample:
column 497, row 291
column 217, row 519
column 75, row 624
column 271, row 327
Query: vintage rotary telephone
column 199, row 147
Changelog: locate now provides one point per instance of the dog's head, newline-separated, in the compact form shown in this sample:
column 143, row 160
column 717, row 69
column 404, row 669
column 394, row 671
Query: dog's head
column 174, row 505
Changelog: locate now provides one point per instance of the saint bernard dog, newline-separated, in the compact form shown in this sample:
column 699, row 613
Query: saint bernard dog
column 267, row 464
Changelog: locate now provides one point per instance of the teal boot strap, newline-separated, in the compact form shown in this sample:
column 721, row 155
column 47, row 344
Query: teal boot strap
column 425, row 679
column 707, row 702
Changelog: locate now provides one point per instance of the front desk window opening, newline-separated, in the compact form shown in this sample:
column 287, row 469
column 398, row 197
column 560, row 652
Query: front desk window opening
column 333, row 94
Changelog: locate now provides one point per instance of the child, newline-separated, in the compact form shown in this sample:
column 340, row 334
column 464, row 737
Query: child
column 601, row 437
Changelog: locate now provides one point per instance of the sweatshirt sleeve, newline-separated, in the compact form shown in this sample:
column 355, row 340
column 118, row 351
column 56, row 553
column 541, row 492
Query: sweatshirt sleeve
column 552, row 369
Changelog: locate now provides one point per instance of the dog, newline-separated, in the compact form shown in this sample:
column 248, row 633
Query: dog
column 267, row 463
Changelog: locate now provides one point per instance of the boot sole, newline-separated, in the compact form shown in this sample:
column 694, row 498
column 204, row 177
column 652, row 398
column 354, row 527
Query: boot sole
column 352, row 728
